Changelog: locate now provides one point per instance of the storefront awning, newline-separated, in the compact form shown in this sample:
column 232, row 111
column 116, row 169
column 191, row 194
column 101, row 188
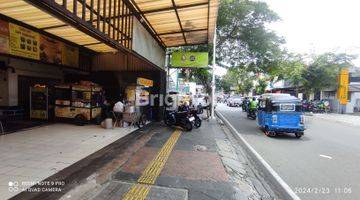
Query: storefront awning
column 104, row 25
column 29, row 14
column 180, row 22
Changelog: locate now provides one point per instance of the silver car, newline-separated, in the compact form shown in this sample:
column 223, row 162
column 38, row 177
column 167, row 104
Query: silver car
column 235, row 101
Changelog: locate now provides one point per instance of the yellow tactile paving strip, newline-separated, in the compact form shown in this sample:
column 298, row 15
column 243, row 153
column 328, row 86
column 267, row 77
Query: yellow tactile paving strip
column 137, row 192
column 152, row 171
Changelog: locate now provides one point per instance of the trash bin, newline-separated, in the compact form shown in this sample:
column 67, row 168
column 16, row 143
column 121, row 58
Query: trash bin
column 108, row 123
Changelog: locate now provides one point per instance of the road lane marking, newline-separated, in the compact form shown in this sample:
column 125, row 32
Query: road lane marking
column 325, row 156
column 140, row 190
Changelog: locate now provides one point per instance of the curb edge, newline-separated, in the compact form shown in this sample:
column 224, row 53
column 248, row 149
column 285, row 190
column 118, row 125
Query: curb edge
column 280, row 185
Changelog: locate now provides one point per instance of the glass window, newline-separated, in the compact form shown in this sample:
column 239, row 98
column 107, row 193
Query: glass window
column 62, row 94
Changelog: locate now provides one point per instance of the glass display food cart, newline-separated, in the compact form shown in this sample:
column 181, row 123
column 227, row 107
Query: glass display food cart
column 81, row 103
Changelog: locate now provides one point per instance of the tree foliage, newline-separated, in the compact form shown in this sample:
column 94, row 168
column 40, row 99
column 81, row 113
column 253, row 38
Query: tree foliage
column 290, row 69
column 247, row 47
column 241, row 79
column 261, row 86
column 243, row 39
column 323, row 70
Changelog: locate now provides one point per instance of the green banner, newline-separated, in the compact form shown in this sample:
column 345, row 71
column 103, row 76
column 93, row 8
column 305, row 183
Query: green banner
column 190, row 59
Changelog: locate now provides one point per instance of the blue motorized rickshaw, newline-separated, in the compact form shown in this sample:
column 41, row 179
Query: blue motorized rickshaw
column 280, row 113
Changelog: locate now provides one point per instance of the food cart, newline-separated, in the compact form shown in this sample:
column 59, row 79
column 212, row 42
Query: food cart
column 79, row 102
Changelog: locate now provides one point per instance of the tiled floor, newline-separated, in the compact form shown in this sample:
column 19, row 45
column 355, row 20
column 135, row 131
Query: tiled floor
column 38, row 153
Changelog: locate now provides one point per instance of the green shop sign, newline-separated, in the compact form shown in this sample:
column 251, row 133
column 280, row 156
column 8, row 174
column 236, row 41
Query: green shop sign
column 189, row 59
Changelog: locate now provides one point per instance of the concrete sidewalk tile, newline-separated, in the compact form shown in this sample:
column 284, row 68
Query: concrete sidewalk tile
column 195, row 166
column 41, row 152
column 26, row 171
column 4, row 192
column 117, row 190
column 4, row 180
column 201, row 190
column 225, row 149
column 140, row 160
column 234, row 166
column 14, row 162
column 5, row 169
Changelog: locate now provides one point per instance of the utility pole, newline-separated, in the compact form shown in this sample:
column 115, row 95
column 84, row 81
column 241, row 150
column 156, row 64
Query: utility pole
column 213, row 78
column 167, row 58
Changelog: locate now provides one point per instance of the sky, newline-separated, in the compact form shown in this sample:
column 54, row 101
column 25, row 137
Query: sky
column 318, row 26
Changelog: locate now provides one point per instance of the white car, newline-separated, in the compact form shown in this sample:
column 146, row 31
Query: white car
column 200, row 99
column 235, row 101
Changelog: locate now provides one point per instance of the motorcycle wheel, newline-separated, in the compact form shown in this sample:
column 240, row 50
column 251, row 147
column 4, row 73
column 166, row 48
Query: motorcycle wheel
column 188, row 126
column 80, row 120
column 143, row 119
column 168, row 121
column 197, row 123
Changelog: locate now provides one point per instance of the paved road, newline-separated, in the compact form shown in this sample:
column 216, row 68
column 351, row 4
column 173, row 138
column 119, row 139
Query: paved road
column 304, row 163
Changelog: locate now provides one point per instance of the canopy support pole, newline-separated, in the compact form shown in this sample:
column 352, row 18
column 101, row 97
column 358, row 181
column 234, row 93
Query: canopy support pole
column 213, row 78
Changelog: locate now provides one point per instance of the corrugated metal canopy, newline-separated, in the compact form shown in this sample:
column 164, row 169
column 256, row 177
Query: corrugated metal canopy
column 31, row 15
column 180, row 22
column 171, row 22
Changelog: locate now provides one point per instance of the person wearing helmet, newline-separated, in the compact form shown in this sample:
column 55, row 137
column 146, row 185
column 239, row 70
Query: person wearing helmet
column 253, row 105
column 245, row 104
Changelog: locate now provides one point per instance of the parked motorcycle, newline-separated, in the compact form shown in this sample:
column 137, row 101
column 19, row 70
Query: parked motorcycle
column 322, row 106
column 192, row 112
column 197, row 121
column 182, row 119
column 306, row 106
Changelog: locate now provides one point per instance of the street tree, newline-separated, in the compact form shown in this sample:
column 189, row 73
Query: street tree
column 292, row 70
column 243, row 39
column 260, row 88
column 241, row 79
column 323, row 70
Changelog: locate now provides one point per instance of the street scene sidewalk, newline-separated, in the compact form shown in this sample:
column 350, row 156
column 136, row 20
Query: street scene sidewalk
column 166, row 163
column 353, row 120
column 35, row 154
column 203, row 164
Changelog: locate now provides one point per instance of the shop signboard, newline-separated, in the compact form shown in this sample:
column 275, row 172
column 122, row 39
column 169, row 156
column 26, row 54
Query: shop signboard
column 50, row 50
column 24, row 42
column 189, row 59
column 4, row 37
column 70, row 55
column 343, row 89
column 145, row 82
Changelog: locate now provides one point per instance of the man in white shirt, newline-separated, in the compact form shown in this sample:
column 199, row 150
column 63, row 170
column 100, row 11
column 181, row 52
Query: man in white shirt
column 118, row 107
